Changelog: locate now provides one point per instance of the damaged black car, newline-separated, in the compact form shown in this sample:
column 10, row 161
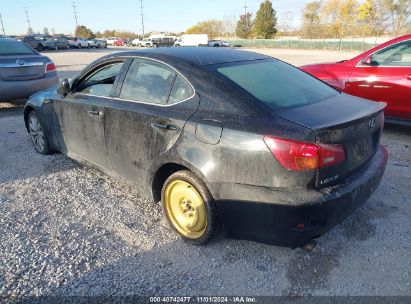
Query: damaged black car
column 229, row 141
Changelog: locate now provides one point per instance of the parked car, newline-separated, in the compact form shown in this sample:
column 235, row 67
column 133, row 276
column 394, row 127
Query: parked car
column 61, row 42
column 217, row 43
column 97, row 43
column 127, row 41
column 162, row 41
column 192, row 40
column 138, row 42
column 146, row 42
column 23, row 71
column 77, row 42
column 37, row 42
column 224, row 138
column 111, row 40
column 118, row 42
column 380, row 74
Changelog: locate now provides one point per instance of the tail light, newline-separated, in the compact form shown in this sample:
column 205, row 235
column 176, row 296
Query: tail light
column 50, row 67
column 297, row 155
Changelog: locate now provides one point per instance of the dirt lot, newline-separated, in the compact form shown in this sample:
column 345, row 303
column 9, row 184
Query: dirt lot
column 66, row 229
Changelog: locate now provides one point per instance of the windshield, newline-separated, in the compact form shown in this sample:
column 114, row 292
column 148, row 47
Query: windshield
column 13, row 47
column 277, row 84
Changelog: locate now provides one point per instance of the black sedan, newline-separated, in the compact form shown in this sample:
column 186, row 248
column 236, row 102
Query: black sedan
column 226, row 140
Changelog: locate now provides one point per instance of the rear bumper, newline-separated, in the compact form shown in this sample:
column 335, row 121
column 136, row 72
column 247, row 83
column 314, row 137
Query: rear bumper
column 11, row 90
column 271, row 215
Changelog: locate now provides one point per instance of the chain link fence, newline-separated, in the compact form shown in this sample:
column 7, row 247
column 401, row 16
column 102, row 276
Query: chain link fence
column 306, row 44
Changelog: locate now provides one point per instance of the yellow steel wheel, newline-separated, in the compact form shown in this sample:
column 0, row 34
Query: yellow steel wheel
column 185, row 209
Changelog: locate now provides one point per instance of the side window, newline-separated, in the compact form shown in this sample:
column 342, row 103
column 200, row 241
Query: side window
column 147, row 81
column 101, row 82
column 396, row 55
column 181, row 90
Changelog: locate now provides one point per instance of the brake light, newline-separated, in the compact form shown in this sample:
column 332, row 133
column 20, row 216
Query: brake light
column 296, row 155
column 50, row 67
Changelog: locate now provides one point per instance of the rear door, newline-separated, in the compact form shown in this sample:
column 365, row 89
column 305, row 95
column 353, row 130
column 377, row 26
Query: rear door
column 79, row 117
column 387, row 77
column 146, row 118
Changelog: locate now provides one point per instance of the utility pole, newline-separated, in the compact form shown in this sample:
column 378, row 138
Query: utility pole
column 28, row 21
column 75, row 13
column 2, row 25
column 245, row 8
column 142, row 16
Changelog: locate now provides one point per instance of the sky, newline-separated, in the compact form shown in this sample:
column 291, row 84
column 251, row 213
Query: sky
column 99, row 15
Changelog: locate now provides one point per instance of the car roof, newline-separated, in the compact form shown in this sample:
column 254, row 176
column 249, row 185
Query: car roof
column 197, row 55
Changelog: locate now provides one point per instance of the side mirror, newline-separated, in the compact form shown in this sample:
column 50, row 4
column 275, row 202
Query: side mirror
column 367, row 60
column 64, row 87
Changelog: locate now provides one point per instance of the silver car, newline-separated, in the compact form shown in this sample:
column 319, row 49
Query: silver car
column 23, row 71
column 97, row 43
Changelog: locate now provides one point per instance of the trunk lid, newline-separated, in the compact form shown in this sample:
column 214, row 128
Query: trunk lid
column 352, row 122
column 24, row 67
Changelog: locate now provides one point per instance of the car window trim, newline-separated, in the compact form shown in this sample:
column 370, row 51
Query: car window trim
column 117, row 96
column 360, row 65
column 100, row 65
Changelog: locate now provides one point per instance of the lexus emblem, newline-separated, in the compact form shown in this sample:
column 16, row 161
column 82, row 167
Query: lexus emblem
column 371, row 123
column 20, row 62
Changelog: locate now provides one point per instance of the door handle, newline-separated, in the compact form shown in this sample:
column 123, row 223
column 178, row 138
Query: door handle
column 95, row 113
column 163, row 126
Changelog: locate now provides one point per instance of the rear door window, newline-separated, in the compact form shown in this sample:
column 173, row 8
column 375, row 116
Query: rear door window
column 277, row 84
column 181, row 90
column 148, row 81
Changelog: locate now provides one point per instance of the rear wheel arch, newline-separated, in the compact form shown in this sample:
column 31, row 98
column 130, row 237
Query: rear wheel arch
column 161, row 176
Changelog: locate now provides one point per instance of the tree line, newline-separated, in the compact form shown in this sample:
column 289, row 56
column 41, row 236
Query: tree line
column 341, row 18
column 319, row 19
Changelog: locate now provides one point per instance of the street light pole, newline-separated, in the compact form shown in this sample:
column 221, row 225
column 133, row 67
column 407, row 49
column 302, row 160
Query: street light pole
column 2, row 25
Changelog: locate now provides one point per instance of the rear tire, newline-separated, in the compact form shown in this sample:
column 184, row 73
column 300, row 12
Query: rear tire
column 40, row 47
column 38, row 134
column 189, row 207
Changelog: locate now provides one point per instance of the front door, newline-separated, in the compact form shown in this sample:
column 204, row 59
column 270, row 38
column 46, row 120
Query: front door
column 79, row 117
column 147, row 117
column 386, row 77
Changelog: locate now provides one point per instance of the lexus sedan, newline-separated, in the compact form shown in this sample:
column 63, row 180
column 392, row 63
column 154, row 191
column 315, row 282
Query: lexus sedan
column 380, row 74
column 227, row 140
column 23, row 71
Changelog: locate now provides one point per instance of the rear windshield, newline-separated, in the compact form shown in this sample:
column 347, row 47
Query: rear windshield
column 12, row 47
column 277, row 84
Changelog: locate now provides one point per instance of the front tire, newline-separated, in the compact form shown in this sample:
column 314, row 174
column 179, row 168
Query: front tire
column 37, row 134
column 189, row 207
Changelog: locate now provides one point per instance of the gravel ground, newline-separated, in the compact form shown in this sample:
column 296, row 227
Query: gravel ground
column 66, row 229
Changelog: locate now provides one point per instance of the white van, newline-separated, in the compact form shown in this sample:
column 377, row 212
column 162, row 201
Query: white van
column 192, row 40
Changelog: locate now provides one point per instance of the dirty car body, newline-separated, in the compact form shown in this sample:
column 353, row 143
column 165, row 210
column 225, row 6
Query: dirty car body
column 258, row 156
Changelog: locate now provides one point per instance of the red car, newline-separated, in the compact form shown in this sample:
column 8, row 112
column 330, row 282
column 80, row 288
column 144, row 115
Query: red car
column 381, row 74
column 119, row 42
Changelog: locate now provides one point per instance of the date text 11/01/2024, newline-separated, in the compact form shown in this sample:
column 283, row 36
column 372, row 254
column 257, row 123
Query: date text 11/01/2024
column 239, row 299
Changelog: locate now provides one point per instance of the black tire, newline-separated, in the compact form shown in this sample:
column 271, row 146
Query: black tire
column 212, row 222
column 40, row 47
column 139, row 44
column 42, row 149
column 88, row 45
